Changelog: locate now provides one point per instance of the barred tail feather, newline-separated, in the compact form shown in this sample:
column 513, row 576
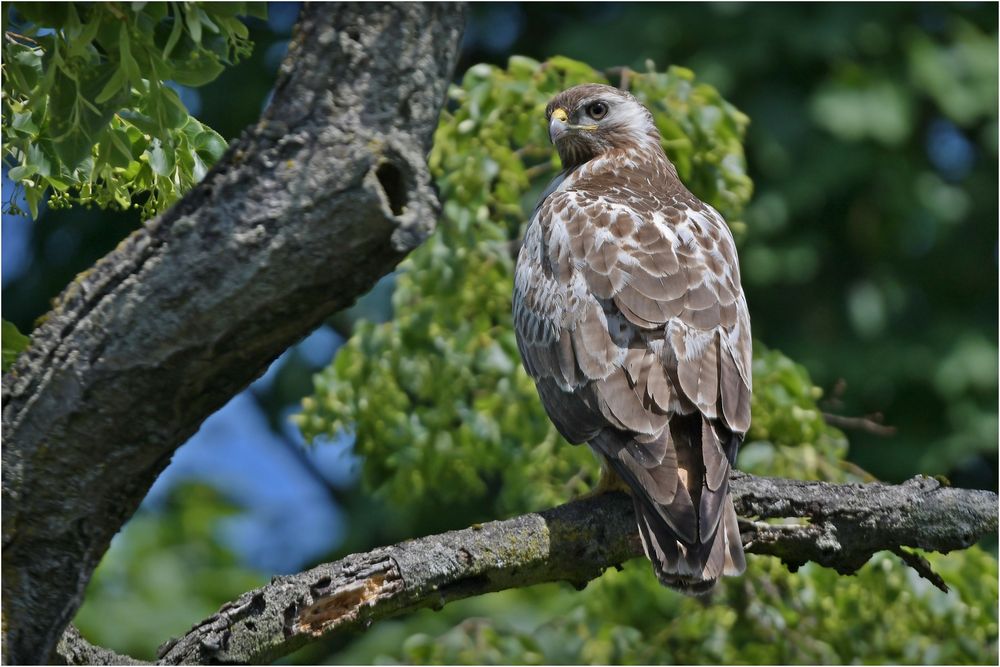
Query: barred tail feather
column 683, row 505
column 692, row 569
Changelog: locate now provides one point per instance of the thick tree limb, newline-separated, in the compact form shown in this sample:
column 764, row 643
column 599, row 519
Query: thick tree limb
column 575, row 542
column 302, row 215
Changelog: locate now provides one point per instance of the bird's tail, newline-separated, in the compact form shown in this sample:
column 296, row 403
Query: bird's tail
column 680, row 488
column 690, row 568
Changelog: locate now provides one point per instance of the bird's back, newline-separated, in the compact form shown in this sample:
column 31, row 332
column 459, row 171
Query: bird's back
column 630, row 318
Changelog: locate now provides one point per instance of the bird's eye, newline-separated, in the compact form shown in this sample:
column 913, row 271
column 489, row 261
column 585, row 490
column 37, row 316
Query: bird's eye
column 597, row 110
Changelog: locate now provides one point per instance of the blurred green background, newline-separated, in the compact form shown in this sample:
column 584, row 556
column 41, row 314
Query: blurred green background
column 869, row 257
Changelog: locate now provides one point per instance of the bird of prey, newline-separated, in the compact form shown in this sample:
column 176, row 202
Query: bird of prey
column 631, row 320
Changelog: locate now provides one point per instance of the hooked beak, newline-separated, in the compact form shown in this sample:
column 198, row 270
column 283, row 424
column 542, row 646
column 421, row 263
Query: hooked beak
column 558, row 125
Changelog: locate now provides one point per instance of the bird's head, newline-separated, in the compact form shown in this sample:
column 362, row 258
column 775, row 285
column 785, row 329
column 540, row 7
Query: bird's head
column 589, row 120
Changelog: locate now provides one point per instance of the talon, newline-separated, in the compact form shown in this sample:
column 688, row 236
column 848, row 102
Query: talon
column 608, row 482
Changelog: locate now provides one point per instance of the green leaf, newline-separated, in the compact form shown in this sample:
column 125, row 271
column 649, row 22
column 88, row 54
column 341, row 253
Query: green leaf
column 79, row 43
column 205, row 20
column 34, row 197
column 23, row 67
column 257, row 10
column 175, row 113
column 229, row 9
column 13, row 342
column 176, row 31
column 141, row 121
column 133, row 73
column 27, row 56
column 23, row 122
column 112, row 87
column 122, row 153
column 198, row 70
column 161, row 161
column 72, row 148
column 62, row 113
column 57, row 183
column 39, row 159
column 199, row 168
column 22, row 172
column 236, row 26
column 210, row 145
column 193, row 21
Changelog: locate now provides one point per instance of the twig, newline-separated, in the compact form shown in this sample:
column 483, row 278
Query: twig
column 923, row 568
column 866, row 424
column 533, row 150
column 538, row 170
column 14, row 36
column 623, row 74
column 857, row 471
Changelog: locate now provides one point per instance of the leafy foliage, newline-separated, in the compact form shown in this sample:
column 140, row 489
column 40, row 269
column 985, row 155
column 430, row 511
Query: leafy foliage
column 88, row 109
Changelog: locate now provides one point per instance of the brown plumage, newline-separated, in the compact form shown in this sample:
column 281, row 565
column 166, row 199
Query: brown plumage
column 630, row 318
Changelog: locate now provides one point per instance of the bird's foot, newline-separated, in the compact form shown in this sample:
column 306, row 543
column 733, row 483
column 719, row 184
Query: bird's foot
column 608, row 482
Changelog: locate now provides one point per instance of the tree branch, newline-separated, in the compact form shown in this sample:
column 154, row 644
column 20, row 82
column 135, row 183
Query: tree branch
column 575, row 542
column 847, row 523
column 73, row 649
column 302, row 215
column 867, row 424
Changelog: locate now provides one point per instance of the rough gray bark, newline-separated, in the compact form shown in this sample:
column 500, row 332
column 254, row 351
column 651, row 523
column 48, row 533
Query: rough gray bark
column 301, row 216
column 847, row 523
column 73, row 649
column 575, row 542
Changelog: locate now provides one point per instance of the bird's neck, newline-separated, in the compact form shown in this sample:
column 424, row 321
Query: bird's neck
column 645, row 156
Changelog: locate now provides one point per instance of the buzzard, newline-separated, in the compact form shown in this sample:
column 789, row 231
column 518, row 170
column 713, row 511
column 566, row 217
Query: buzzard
column 631, row 320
